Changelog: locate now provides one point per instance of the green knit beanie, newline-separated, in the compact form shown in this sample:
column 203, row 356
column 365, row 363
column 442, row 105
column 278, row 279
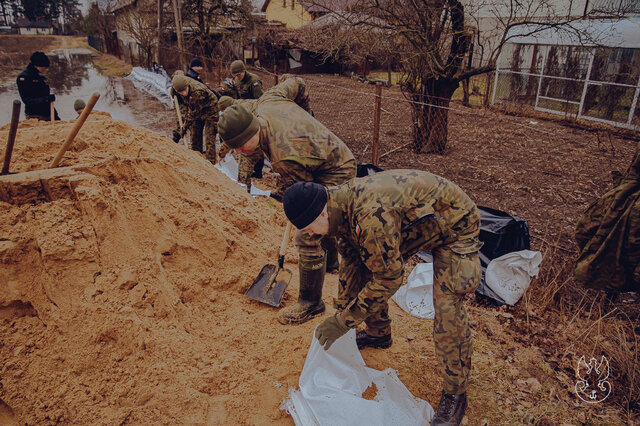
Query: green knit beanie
column 79, row 104
column 180, row 81
column 224, row 102
column 237, row 66
column 237, row 125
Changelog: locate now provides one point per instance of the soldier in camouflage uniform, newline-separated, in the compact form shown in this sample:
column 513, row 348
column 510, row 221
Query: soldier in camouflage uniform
column 381, row 220
column 301, row 149
column 245, row 85
column 246, row 163
column 200, row 103
column 608, row 236
column 298, row 91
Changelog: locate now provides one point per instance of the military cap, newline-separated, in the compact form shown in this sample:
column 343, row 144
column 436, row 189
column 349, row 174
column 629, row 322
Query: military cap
column 79, row 104
column 303, row 202
column 237, row 66
column 196, row 62
column 224, row 102
column 237, row 125
column 179, row 82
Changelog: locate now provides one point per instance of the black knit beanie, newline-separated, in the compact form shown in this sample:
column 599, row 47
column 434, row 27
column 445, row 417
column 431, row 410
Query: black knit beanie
column 196, row 62
column 39, row 59
column 303, row 202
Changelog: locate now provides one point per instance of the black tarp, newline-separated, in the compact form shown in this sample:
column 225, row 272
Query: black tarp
column 501, row 234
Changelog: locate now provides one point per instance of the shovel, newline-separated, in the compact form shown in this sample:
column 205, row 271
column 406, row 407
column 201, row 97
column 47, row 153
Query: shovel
column 266, row 288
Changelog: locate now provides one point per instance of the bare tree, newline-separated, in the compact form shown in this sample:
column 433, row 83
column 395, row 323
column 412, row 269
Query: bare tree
column 141, row 24
column 428, row 40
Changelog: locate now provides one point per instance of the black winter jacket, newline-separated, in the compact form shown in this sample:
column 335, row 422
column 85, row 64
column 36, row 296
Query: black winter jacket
column 34, row 92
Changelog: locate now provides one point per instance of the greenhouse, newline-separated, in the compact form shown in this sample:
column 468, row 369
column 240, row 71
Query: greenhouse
column 589, row 69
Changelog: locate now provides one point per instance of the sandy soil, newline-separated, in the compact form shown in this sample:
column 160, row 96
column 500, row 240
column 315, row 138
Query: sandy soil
column 125, row 270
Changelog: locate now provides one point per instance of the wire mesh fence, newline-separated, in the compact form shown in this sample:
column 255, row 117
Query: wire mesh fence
column 379, row 122
column 598, row 84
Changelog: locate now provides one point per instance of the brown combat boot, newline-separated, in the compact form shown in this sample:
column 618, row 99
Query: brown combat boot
column 363, row 340
column 309, row 302
column 451, row 410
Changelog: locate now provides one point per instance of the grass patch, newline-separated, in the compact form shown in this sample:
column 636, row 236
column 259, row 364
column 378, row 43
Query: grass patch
column 111, row 65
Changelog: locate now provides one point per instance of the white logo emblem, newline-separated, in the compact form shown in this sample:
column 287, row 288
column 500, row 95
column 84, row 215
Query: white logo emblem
column 592, row 385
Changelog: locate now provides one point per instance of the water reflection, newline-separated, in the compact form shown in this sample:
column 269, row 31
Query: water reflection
column 73, row 76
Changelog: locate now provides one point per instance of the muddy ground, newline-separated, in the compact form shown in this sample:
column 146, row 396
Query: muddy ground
column 542, row 170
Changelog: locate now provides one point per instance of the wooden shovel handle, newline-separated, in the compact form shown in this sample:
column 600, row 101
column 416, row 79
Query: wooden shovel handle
column 285, row 239
column 83, row 117
column 15, row 116
column 175, row 102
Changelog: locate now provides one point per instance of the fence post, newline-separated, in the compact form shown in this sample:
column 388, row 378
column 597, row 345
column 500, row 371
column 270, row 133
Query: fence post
column 586, row 84
column 376, row 125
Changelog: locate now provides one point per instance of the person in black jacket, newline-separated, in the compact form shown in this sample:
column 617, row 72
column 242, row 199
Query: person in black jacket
column 33, row 89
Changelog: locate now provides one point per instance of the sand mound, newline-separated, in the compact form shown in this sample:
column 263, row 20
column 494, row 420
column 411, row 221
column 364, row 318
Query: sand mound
column 121, row 280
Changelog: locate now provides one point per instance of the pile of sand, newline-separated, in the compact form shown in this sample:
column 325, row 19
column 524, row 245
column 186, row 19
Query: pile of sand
column 121, row 281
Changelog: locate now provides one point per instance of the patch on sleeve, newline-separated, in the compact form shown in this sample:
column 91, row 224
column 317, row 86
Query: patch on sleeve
column 256, row 83
column 358, row 231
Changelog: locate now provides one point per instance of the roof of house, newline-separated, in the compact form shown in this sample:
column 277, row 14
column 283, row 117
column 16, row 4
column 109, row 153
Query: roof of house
column 121, row 4
column 319, row 6
column 24, row 22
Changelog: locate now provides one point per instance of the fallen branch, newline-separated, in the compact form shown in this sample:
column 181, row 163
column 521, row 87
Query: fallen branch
column 395, row 149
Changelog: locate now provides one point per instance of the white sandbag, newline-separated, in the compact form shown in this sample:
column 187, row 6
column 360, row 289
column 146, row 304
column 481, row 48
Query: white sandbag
column 509, row 275
column 229, row 166
column 416, row 296
column 331, row 387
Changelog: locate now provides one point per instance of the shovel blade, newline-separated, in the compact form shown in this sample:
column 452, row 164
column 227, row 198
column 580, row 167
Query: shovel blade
column 265, row 288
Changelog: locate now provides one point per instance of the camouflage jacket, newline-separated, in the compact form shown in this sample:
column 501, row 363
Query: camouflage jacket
column 385, row 218
column 608, row 236
column 299, row 147
column 250, row 87
column 199, row 103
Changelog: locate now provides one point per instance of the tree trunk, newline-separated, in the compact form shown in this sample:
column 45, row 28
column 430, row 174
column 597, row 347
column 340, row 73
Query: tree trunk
column 178, row 20
column 431, row 115
column 158, row 54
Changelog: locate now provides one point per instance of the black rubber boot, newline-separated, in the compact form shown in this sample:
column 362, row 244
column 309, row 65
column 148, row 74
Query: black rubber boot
column 451, row 410
column 309, row 302
column 363, row 340
column 330, row 246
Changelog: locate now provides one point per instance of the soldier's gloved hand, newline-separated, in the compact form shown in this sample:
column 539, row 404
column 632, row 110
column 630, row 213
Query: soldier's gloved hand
column 176, row 137
column 331, row 330
column 52, row 97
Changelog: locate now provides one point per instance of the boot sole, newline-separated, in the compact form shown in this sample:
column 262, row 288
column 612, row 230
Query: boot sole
column 286, row 321
column 373, row 346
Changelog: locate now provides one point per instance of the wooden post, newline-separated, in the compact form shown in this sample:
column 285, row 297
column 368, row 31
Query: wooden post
column 79, row 122
column 275, row 72
column 15, row 115
column 53, row 111
column 175, row 102
column 376, row 126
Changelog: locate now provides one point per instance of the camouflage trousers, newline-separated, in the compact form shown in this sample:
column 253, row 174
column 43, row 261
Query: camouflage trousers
column 457, row 272
column 197, row 130
column 311, row 246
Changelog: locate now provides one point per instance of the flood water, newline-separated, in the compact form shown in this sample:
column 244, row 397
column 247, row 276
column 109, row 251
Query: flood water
column 72, row 75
